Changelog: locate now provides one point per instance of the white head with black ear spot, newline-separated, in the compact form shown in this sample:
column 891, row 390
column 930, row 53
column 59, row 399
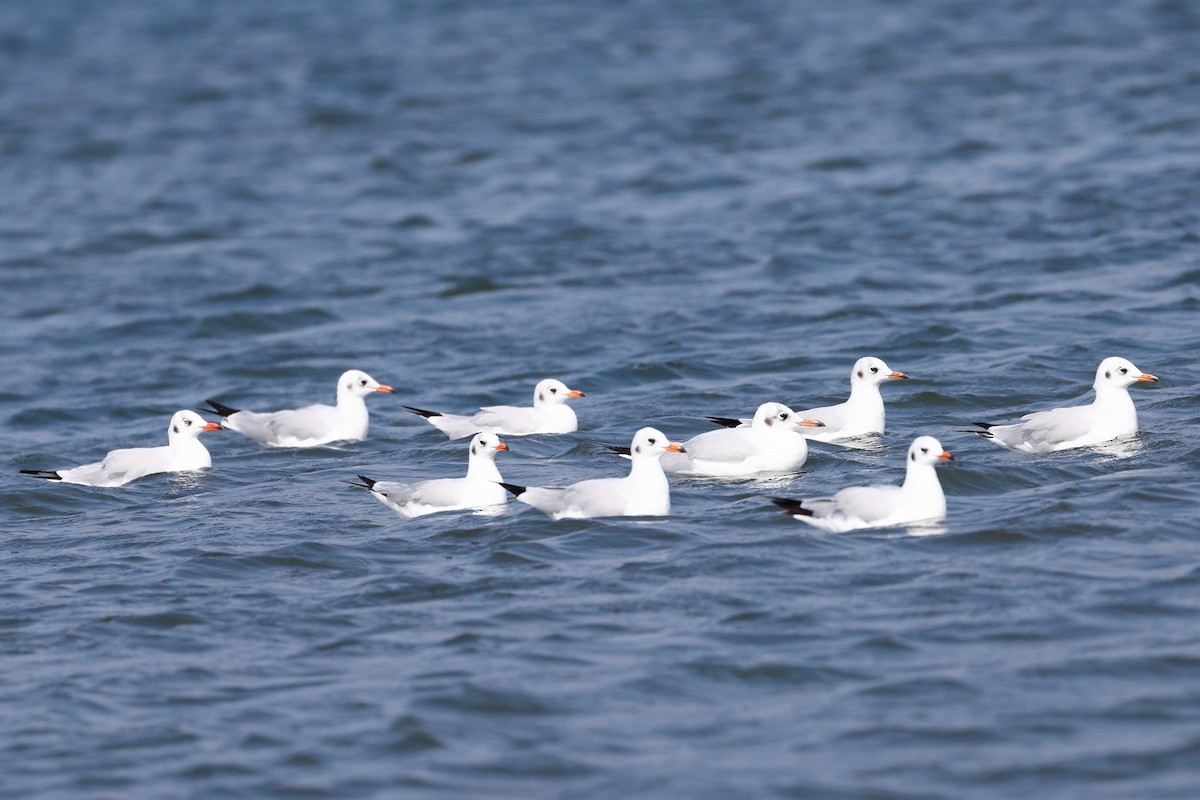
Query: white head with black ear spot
column 356, row 383
column 187, row 424
column 778, row 417
column 927, row 450
column 1120, row 373
column 486, row 445
column 871, row 370
column 553, row 392
column 652, row 443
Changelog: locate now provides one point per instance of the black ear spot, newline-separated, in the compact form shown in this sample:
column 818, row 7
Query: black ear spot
column 912, row 457
column 860, row 373
column 175, row 428
column 541, row 396
column 472, row 449
column 637, row 449
column 1108, row 373
column 770, row 421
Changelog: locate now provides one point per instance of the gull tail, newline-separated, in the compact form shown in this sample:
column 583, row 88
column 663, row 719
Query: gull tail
column 793, row 507
column 516, row 490
column 728, row 422
column 48, row 474
column 221, row 409
column 424, row 412
column 367, row 483
column 619, row 450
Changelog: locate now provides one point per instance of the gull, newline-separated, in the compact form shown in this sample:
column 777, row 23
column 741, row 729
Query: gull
column 549, row 414
column 772, row 444
column 862, row 413
column 642, row 493
column 478, row 490
column 183, row 453
column 919, row 498
column 1110, row 416
column 312, row 425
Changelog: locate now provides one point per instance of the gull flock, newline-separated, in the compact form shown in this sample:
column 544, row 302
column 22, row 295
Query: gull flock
column 773, row 442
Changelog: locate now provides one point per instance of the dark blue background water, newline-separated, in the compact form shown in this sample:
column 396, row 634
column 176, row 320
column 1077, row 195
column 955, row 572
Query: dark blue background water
column 683, row 209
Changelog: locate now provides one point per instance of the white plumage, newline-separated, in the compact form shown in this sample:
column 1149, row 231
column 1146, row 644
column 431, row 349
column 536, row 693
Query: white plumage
column 644, row 492
column 773, row 443
column 1110, row 416
column 549, row 414
column 919, row 498
column 183, row 453
column 312, row 425
column 479, row 489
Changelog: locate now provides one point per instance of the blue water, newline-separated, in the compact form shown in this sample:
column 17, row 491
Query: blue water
column 682, row 209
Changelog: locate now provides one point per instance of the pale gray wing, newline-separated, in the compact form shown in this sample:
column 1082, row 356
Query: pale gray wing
column 121, row 466
column 442, row 492
column 600, row 497
column 1043, row 430
column 512, row 420
column 868, row 503
column 300, row 424
column 393, row 492
column 725, row 445
column 834, row 418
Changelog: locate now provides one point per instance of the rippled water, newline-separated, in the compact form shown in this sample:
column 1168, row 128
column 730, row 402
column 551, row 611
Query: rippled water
column 682, row 209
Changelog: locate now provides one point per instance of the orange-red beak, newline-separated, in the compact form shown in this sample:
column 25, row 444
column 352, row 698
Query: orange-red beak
column 675, row 447
column 1146, row 377
column 502, row 446
column 945, row 457
column 212, row 426
column 575, row 393
column 809, row 422
column 898, row 376
column 383, row 387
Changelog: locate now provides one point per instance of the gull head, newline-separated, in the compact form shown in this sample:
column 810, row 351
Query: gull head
column 1120, row 373
column 357, row 383
column 486, row 445
column 778, row 417
column 927, row 450
column 188, row 425
column 874, row 371
column 652, row 443
column 551, row 391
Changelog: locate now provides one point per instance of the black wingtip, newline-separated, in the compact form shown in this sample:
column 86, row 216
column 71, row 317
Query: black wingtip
column 620, row 450
column 48, row 474
column 728, row 422
column 367, row 483
column 424, row 412
column 791, row 506
column 221, row 409
column 987, row 429
column 516, row 490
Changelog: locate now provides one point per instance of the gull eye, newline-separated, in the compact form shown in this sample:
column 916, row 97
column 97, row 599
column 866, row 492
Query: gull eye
column 187, row 422
column 924, row 449
column 553, row 390
column 651, row 440
column 874, row 369
column 362, row 382
column 1124, row 371
column 783, row 415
